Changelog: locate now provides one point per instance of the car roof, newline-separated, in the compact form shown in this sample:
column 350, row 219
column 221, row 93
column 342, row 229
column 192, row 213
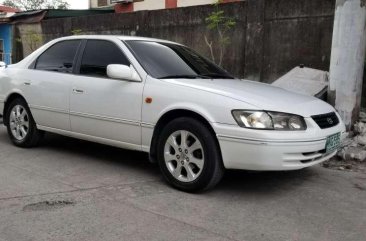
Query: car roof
column 27, row 61
column 121, row 37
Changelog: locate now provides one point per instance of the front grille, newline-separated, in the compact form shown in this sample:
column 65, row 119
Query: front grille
column 326, row 120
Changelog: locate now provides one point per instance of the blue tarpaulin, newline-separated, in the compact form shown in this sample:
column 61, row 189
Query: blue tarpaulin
column 5, row 43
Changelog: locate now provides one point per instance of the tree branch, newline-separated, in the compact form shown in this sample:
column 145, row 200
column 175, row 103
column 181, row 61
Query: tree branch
column 36, row 4
column 209, row 44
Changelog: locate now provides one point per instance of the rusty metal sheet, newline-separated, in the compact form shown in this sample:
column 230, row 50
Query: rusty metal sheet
column 28, row 17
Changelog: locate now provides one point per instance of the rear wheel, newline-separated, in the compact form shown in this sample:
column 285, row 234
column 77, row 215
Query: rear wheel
column 21, row 127
column 188, row 155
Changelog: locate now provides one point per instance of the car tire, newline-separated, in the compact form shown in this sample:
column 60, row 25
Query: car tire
column 21, row 126
column 194, row 164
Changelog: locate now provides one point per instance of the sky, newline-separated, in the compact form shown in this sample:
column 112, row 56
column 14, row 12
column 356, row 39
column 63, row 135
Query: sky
column 78, row 4
column 74, row 4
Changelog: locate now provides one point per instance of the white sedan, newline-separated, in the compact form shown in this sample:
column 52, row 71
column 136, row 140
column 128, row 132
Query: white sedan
column 160, row 97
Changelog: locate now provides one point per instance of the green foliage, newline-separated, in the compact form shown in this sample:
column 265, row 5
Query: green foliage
column 218, row 19
column 31, row 39
column 36, row 4
column 218, row 22
column 76, row 31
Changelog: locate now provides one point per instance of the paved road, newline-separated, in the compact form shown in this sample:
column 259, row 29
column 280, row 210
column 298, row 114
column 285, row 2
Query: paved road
column 74, row 190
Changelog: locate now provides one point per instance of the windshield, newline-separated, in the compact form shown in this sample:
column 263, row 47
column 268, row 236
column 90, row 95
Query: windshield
column 166, row 60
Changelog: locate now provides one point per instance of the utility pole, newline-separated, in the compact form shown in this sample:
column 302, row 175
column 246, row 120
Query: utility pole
column 347, row 60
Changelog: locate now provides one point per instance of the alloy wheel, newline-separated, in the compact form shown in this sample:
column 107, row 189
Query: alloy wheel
column 184, row 156
column 19, row 122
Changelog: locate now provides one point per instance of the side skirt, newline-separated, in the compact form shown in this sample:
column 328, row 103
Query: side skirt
column 85, row 137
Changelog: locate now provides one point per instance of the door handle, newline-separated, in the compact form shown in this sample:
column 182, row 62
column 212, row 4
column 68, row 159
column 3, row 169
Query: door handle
column 27, row 83
column 77, row 91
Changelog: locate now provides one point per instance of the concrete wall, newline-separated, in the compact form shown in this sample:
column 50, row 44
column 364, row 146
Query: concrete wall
column 157, row 4
column 28, row 37
column 296, row 32
column 149, row 5
column 93, row 3
column 270, row 37
column 186, row 3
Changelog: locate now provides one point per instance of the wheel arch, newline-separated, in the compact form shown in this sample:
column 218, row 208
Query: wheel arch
column 7, row 102
column 171, row 115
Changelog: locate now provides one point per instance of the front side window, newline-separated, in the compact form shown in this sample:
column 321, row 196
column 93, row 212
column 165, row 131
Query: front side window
column 98, row 54
column 59, row 57
column 167, row 60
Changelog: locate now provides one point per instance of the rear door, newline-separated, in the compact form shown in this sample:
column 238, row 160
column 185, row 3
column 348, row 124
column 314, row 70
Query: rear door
column 48, row 84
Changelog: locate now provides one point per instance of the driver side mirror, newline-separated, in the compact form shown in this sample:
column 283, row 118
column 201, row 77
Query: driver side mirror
column 123, row 72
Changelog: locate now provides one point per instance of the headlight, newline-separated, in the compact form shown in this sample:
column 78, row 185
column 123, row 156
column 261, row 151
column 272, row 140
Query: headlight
column 269, row 120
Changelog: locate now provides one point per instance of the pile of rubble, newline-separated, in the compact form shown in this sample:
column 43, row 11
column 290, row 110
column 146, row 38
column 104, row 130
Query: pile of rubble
column 354, row 146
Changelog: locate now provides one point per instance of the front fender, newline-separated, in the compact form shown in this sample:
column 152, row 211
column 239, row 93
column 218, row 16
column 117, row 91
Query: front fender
column 167, row 96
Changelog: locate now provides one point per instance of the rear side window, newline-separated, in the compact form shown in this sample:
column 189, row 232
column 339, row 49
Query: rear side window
column 59, row 57
column 98, row 54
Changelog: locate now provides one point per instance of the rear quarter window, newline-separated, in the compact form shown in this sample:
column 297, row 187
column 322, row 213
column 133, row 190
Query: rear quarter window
column 59, row 57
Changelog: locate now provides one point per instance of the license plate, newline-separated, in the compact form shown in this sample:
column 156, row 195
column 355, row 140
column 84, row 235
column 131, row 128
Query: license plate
column 333, row 143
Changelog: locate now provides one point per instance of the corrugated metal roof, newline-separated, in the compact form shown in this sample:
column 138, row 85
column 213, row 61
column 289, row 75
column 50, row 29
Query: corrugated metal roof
column 36, row 16
column 61, row 13
column 27, row 13
column 8, row 9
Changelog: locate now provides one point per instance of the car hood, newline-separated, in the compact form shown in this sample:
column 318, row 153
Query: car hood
column 263, row 96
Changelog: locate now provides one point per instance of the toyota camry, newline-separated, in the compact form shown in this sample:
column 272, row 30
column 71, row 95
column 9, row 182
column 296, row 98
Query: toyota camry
column 193, row 118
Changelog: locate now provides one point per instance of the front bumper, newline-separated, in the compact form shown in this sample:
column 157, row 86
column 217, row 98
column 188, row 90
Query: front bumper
column 263, row 150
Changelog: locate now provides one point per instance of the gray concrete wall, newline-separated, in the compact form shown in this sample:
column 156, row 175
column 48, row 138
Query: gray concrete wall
column 270, row 37
column 297, row 32
column 31, row 37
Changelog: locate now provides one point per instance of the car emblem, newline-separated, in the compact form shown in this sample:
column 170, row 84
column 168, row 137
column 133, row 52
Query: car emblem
column 330, row 121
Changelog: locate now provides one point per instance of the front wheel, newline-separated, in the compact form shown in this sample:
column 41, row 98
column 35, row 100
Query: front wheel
column 189, row 156
column 21, row 126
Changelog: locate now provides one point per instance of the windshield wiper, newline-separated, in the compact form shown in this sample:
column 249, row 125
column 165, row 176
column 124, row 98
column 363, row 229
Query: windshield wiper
column 185, row 77
column 198, row 76
column 216, row 76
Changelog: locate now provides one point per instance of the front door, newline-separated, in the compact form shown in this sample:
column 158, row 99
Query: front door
column 104, row 107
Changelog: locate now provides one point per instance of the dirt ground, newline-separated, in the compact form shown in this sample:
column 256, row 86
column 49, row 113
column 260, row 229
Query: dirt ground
column 337, row 163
